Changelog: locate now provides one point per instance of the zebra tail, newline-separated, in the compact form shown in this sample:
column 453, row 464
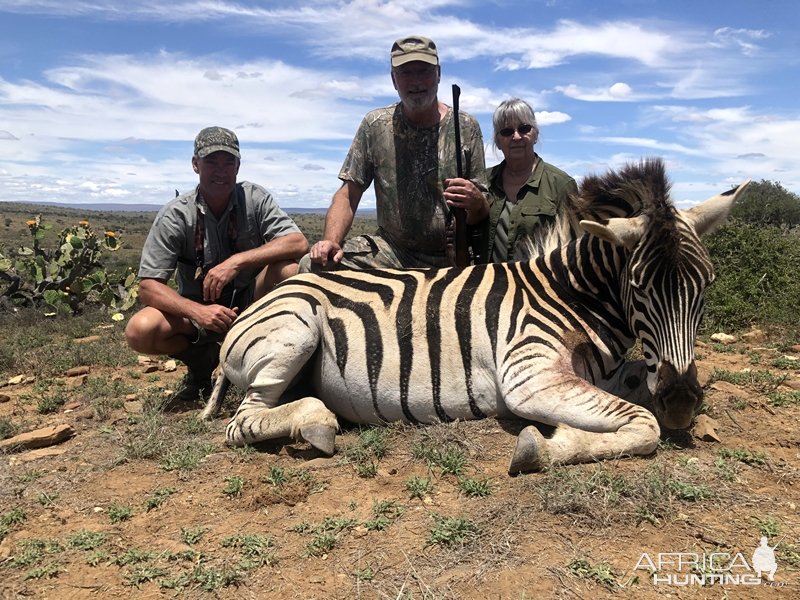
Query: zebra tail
column 221, row 386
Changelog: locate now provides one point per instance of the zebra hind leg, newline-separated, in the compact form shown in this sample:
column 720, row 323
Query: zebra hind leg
column 306, row 419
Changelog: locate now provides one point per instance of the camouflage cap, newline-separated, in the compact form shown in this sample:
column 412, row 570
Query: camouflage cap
column 214, row 139
column 413, row 48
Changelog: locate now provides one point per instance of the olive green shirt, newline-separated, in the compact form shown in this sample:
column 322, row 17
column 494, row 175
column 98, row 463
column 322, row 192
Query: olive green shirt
column 408, row 165
column 536, row 204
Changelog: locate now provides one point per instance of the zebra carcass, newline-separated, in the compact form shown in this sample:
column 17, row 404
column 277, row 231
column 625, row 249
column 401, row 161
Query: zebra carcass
column 542, row 340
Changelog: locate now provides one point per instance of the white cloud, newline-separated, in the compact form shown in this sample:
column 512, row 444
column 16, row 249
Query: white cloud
column 617, row 92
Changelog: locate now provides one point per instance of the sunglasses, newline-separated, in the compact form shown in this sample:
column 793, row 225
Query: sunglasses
column 523, row 129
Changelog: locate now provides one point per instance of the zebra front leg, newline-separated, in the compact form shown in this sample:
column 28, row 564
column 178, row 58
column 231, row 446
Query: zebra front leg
column 590, row 424
column 307, row 419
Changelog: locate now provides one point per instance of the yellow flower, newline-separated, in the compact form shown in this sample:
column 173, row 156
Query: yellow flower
column 31, row 222
column 110, row 234
column 83, row 223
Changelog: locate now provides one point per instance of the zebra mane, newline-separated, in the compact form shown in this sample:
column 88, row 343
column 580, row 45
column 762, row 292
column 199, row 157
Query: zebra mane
column 635, row 189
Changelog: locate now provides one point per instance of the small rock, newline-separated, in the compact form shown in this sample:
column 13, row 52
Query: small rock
column 76, row 371
column 793, row 383
column 29, row 379
column 791, row 358
column 4, row 398
column 16, row 380
column 756, row 336
column 705, row 428
column 150, row 369
column 723, row 338
column 87, row 340
column 36, row 454
column 38, row 438
column 97, row 509
column 146, row 360
column 131, row 397
column 320, row 461
column 77, row 381
column 85, row 415
column 726, row 388
column 135, row 407
column 71, row 406
column 795, row 348
column 170, row 366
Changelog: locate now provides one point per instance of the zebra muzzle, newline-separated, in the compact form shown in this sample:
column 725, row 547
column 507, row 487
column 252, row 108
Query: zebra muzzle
column 678, row 396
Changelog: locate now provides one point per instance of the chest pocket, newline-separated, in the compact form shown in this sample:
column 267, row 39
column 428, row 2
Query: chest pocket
column 534, row 215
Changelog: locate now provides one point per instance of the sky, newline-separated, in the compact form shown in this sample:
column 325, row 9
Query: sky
column 100, row 100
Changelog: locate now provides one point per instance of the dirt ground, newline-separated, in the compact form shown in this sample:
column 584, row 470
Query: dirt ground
column 571, row 532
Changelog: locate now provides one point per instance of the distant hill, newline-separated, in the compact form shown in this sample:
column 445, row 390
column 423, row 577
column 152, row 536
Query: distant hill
column 109, row 207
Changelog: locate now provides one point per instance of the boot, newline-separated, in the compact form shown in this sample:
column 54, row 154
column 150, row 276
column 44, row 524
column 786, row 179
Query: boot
column 200, row 360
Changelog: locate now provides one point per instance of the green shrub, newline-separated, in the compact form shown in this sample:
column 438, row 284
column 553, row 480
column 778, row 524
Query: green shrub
column 757, row 281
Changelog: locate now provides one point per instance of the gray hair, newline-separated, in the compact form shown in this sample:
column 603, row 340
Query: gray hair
column 511, row 113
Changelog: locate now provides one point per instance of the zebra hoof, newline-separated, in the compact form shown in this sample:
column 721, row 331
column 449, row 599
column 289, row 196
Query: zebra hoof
column 530, row 453
column 322, row 437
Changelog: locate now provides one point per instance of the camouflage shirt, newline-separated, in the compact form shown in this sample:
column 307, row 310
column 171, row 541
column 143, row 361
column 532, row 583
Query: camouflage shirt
column 409, row 165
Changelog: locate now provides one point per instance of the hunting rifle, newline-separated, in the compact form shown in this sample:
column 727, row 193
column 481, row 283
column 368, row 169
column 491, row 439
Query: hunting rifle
column 462, row 256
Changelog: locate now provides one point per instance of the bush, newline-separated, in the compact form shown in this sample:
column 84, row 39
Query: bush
column 758, row 277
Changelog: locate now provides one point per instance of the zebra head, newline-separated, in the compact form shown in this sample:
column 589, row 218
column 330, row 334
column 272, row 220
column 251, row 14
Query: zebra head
column 663, row 287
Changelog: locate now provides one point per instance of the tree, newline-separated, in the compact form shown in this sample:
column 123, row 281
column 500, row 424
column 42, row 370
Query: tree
column 768, row 203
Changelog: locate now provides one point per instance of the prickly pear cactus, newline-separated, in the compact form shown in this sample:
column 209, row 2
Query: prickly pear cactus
column 67, row 277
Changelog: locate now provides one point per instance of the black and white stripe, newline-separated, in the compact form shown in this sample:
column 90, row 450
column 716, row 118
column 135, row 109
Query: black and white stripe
column 543, row 339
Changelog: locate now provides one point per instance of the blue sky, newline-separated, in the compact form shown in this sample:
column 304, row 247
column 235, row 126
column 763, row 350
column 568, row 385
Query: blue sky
column 100, row 100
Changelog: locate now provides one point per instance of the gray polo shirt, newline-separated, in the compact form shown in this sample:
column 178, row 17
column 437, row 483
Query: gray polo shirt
column 170, row 244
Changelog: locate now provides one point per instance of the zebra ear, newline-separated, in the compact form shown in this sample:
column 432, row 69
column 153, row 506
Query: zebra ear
column 620, row 232
column 709, row 215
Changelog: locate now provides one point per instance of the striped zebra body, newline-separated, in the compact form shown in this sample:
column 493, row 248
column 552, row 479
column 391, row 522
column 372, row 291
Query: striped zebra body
column 543, row 339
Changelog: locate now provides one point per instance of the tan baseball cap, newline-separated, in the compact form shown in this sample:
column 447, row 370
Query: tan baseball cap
column 214, row 139
column 413, row 48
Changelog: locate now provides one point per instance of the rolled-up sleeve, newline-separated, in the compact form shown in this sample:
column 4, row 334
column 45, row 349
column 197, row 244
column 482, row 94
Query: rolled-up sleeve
column 165, row 242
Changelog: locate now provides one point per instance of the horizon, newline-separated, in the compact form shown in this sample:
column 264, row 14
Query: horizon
column 106, row 111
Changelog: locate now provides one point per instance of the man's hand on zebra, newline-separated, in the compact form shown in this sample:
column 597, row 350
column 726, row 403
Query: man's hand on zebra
column 326, row 251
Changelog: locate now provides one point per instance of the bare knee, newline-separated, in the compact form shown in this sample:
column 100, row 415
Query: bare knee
column 139, row 332
column 272, row 275
column 150, row 331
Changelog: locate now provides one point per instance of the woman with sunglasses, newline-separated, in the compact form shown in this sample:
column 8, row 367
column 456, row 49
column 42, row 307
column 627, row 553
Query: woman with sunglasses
column 524, row 191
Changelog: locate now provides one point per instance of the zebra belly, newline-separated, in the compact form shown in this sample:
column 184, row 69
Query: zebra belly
column 351, row 395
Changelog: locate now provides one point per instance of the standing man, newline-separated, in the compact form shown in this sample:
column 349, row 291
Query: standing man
column 230, row 242
column 408, row 150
